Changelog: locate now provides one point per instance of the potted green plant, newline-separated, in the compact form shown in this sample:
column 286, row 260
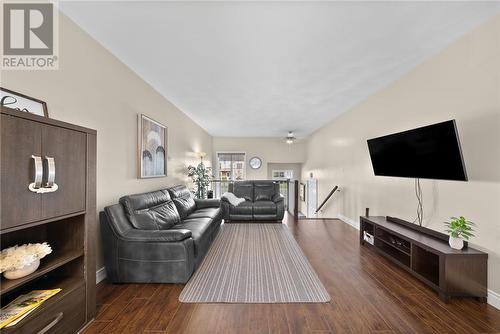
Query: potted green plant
column 200, row 175
column 459, row 229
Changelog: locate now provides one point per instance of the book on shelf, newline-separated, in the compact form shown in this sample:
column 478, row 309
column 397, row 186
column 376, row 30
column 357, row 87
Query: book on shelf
column 23, row 305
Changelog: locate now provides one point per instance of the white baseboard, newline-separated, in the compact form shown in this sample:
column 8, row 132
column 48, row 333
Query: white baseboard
column 100, row 275
column 349, row 221
column 494, row 299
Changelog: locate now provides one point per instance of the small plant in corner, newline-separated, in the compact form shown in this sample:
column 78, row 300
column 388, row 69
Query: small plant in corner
column 459, row 229
column 200, row 175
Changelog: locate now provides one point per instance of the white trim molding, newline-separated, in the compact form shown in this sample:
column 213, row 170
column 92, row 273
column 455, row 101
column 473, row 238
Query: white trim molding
column 348, row 221
column 100, row 275
column 494, row 299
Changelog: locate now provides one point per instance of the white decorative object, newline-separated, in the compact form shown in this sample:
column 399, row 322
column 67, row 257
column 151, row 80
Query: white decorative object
column 235, row 201
column 368, row 238
column 456, row 243
column 19, row 261
column 24, row 271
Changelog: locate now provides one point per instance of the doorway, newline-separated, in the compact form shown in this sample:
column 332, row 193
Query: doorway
column 311, row 197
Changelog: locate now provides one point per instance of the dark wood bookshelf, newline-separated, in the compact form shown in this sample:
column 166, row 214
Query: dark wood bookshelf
column 65, row 218
column 426, row 255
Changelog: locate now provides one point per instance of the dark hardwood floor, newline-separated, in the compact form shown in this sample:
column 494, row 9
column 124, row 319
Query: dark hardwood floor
column 369, row 295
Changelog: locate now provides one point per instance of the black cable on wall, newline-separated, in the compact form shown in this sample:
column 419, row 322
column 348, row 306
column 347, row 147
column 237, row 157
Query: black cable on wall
column 420, row 200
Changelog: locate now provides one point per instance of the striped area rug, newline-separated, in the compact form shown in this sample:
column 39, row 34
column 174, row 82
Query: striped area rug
column 254, row 263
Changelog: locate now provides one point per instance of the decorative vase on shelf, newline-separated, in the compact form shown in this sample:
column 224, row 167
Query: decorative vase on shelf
column 456, row 243
column 25, row 271
column 20, row 261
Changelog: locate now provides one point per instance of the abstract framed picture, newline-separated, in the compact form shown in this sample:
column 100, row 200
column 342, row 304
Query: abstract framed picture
column 152, row 151
column 21, row 102
column 302, row 192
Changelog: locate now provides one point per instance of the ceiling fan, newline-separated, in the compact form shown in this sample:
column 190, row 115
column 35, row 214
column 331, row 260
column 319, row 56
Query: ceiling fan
column 290, row 138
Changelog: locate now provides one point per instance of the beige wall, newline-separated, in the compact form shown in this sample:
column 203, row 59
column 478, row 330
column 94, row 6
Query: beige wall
column 270, row 150
column 92, row 88
column 462, row 83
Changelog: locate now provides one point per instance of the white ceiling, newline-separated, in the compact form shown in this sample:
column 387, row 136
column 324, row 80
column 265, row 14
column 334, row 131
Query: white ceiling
column 263, row 68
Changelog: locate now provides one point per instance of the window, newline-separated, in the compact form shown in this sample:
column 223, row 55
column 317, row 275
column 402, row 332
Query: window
column 231, row 166
column 282, row 174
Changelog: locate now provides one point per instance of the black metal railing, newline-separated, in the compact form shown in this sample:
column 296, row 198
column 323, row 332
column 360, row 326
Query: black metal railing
column 219, row 187
column 327, row 198
column 285, row 190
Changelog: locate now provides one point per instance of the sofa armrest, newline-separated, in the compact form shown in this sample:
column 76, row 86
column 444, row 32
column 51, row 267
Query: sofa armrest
column 172, row 235
column 280, row 207
column 226, row 208
column 278, row 198
column 207, row 203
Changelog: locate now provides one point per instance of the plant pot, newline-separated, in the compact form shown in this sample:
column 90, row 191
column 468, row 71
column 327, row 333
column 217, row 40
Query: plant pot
column 24, row 271
column 456, row 243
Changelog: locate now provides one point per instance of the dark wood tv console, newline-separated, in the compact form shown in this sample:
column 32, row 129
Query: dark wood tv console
column 426, row 255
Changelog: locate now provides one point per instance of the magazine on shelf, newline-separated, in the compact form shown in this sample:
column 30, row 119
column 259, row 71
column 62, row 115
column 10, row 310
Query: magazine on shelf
column 18, row 320
column 20, row 307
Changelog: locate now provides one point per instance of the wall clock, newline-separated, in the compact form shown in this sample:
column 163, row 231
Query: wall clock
column 255, row 163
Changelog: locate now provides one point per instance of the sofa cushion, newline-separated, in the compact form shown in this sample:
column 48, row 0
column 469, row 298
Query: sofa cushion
column 183, row 200
column 206, row 213
column 207, row 203
column 264, row 208
column 243, row 189
column 201, row 230
column 264, row 191
column 151, row 211
column 244, row 208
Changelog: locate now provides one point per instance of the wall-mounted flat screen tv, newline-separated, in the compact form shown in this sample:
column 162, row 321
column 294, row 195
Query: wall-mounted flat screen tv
column 429, row 152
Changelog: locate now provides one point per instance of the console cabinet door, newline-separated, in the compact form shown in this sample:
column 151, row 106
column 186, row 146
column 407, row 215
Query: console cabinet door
column 68, row 149
column 20, row 139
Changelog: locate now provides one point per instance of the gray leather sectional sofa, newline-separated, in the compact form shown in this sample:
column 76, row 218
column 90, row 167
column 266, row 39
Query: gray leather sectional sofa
column 263, row 201
column 160, row 236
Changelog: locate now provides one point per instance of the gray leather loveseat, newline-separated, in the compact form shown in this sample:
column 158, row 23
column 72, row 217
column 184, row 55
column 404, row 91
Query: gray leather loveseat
column 159, row 236
column 263, row 201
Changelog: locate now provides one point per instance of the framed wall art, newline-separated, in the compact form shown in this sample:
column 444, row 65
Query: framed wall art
column 152, row 148
column 21, row 102
column 302, row 192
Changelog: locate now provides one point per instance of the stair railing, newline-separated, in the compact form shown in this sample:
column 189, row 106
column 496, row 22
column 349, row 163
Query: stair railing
column 327, row 198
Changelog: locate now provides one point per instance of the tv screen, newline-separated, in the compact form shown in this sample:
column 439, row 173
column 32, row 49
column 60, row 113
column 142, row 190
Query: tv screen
column 429, row 152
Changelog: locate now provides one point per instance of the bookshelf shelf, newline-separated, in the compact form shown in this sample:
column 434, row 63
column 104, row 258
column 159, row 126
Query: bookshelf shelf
column 46, row 265
column 70, row 288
